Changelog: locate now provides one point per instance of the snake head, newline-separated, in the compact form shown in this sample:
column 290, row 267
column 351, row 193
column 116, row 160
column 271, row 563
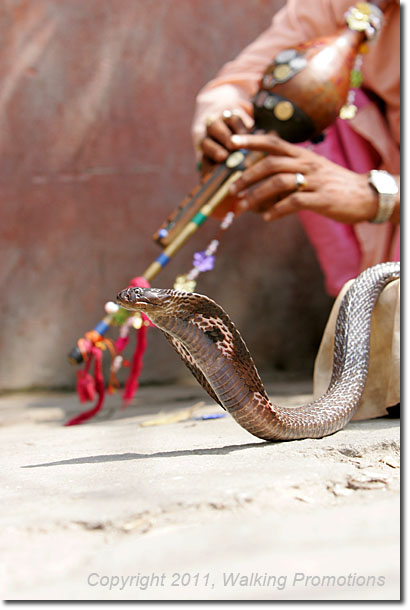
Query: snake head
column 148, row 300
column 159, row 304
column 141, row 299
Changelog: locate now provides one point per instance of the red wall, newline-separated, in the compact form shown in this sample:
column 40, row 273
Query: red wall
column 96, row 101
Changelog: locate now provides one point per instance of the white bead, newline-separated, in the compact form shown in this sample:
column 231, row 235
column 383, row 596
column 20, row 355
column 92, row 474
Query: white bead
column 212, row 248
column 116, row 363
column 193, row 274
column 227, row 221
column 111, row 307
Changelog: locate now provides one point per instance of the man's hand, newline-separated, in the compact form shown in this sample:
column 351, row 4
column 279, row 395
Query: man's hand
column 217, row 144
column 270, row 186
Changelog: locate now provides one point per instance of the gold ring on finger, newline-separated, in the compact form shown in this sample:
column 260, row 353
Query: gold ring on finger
column 300, row 181
column 227, row 114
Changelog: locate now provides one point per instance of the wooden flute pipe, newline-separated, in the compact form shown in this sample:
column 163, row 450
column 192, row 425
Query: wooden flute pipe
column 190, row 218
column 189, row 229
column 201, row 194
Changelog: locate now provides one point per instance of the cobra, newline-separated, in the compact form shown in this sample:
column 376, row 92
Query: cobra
column 212, row 348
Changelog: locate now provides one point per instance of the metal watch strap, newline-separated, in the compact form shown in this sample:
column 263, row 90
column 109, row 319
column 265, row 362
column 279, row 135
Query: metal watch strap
column 387, row 200
column 386, row 207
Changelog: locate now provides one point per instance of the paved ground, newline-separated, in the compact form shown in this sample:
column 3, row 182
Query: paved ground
column 193, row 510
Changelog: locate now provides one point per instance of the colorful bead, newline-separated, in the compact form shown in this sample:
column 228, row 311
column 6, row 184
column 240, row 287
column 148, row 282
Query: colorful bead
column 137, row 321
column 116, row 363
column 183, row 283
column 163, row 259
column 356, row 78
column 227, row 221
column 199, row 218
column 101, row 327
column 119, row 318
column 193, row 274
column 203, row 262
column 212, row 248
column 364, row 8
column 365, row 17
column 111, row 307
column 348, row 111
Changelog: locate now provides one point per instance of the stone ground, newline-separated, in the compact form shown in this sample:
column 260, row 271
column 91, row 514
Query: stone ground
column 195, row 510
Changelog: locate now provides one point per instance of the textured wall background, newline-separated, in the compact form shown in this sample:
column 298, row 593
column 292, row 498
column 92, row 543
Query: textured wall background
column 96, row 101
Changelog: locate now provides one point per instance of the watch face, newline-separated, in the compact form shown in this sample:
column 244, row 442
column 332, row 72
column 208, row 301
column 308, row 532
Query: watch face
column 383, row 182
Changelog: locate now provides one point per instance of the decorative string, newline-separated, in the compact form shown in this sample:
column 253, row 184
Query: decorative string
column 204, row 260
column 349, row 109
column 368, row 18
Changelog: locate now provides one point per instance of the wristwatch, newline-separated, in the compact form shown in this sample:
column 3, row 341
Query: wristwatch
column 387, row 189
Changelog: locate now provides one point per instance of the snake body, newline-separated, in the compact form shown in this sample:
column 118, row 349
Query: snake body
column 210, row 345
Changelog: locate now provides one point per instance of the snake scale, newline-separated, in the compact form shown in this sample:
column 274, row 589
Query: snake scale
column 210, row 345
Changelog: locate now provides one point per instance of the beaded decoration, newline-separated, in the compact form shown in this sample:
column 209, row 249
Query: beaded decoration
column 367, row 18
column 349, row 109
column 204, row 260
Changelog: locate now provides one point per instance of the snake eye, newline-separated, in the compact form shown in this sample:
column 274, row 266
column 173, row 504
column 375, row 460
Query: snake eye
column 128, row 296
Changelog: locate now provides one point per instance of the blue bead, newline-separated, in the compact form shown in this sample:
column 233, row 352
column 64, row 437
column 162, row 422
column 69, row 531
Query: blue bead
column 101, row 327
column 163, row 259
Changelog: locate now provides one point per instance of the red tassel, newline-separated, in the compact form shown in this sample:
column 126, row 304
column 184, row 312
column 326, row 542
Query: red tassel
column 132, row 383
column 85, row 386
column 120, row 344
column 99, row 387
column 85, row 383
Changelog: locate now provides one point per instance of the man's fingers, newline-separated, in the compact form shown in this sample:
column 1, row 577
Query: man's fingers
column 268, row 190
column 213, row 150
column 217, row 142
column 295, row 202
column 219, row 131
column 269, row 143
column 236, row 124
column 265, row 168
